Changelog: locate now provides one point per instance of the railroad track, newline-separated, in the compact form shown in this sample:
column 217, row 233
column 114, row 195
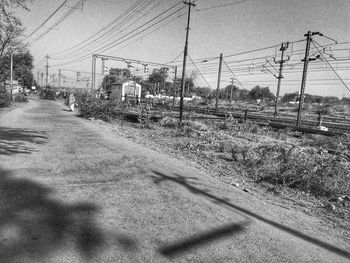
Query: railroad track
column 336, row 125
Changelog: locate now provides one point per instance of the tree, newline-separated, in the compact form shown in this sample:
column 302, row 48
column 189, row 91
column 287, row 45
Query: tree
column 158, row 75
column 260, row 93
column 290, row 97
column 11, row 28
column 22, row 68
column 204, row 92
column 120, row 74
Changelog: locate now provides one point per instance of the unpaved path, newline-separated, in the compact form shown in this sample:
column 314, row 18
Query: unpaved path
column 72, row 191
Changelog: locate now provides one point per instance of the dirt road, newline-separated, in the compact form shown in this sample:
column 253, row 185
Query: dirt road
column 74, row 191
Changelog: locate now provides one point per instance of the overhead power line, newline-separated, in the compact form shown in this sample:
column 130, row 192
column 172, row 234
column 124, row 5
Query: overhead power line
column 46, row 20
column 233, row 74
column 125, row 37
column 67, row 14
column 194, row 64
column 346, row 86
column 218, row 6
column 116, row 24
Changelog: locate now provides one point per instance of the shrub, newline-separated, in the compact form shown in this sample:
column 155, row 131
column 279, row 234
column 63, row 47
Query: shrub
column 5, row 98
column 304, row 168
column 169, row 122
column 98, row 108
column 144, row 116
column 20, row 97
column 47, row 94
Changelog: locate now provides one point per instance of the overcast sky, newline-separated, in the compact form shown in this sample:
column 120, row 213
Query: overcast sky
column 216, row 27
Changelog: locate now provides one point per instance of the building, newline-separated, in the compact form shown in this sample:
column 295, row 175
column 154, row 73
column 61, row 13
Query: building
column 16, row 88
column 125, row 89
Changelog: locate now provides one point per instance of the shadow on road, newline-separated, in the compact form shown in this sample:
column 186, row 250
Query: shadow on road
column 185, row 182
column 202, row 239
column 14, row 141
column 33, row 225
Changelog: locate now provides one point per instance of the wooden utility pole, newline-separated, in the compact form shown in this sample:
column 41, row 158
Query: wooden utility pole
column 38, row 78
column 47, row 70
column 283, row 48
column 11, row 74
column 218, row 84
column 233, row 80
column 93, row 74
column 174, row 88
column 303, row 80
column 42, row 79
column 183, row 81
column 59, row 78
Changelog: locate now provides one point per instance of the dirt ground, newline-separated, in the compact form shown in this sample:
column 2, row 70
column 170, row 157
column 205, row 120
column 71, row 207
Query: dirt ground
column 74, row 190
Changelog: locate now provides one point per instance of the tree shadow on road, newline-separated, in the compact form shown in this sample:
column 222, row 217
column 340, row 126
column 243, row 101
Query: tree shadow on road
column 14, row 141
column 191, row 186
column 33, row 226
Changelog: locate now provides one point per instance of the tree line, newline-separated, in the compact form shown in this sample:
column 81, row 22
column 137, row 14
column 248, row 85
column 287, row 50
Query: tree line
column 12, row 41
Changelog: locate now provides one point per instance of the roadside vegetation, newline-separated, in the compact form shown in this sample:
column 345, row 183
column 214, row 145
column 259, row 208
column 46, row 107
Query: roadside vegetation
column 5, row 99
column 314, row 164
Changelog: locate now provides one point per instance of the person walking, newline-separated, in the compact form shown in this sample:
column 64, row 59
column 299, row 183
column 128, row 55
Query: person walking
column 71, row 102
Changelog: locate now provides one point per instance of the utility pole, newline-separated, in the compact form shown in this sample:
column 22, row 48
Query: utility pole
column 218, row 85
column 11, row 73
column 38, row 78
column 283, row 48
column 42, row 79
column 183, row 81
column 174, row 89
column 47, row 69
column 303, row 80
column 59, row 78
column 233, row 80
column 93, row 74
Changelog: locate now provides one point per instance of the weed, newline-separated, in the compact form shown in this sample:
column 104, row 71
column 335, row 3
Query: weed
column 20, row 97
column 144, row 116
column 5, row 98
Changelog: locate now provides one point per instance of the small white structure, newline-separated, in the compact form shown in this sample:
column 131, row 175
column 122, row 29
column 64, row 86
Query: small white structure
column 16, row 88
column 126, row 89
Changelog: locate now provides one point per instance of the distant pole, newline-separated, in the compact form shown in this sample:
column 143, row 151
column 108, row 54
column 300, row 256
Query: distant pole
column 284, row 47
column 42, row 79
column 218, row 85
column 59, row 78
column 303, row 80
column 103, row 67
column 47, row 70
column 190, row 4
column 11, row 74
column 174, row 88
column 93, row 74
column 231, row 91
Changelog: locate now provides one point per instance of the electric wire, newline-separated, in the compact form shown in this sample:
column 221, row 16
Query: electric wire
column 233, row 74
column 218, row 6
column 101, row 30
column 112, row 45
column 47, row 19
column 199, row 71
column 314, row 43
column 67, row 14
column 106, row 37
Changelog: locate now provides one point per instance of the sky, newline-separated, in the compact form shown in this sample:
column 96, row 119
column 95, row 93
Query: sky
column 154, row 31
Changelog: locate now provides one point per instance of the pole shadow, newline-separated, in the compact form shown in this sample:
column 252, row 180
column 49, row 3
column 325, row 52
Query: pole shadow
column 202, row 239
column 14, row 141
column 190, row 186
column 33, row 225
